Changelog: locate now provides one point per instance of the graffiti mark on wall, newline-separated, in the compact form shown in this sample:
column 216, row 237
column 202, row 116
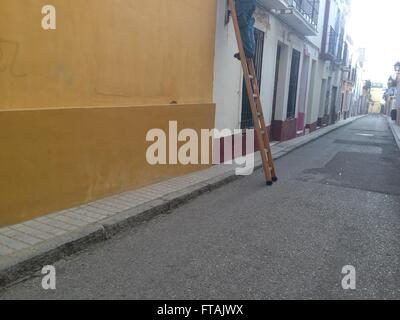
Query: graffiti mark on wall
column 9, row 51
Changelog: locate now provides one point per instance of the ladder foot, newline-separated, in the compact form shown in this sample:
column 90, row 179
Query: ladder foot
column 274, row 179
column 269, row 183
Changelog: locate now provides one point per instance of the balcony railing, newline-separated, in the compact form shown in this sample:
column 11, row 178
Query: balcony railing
column 301, row 15
column 336, row 48
column 333, row 43
column 309, row 9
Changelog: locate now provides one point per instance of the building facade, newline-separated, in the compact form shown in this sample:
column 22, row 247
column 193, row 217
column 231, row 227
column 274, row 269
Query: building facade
column 377, row 103
column 334, row 53
column 286, row 65
column 359, row 104
column 304, row 64
column 77, row 102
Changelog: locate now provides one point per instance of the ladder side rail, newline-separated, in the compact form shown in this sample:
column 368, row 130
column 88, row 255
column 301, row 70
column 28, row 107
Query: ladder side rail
column 260, row 110
column 253, row 107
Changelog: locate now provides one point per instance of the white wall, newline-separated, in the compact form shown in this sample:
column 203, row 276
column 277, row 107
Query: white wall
column 263, row 23
column 317, row 40
column 228, row 80
column 227, row 74
column 277, row 32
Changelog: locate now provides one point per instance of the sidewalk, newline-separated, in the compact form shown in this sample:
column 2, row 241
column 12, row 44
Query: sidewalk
column 25, row 248
column 395, row 129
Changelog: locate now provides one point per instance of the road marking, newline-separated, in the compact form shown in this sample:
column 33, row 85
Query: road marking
column 365, row 134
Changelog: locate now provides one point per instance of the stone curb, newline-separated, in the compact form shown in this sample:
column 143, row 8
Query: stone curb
column 25, row 263
column 33, row 259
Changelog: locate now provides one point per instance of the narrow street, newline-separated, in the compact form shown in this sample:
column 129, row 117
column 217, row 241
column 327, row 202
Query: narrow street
column 337, row 203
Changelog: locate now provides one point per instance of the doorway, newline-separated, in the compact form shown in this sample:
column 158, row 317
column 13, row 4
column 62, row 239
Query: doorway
column 276, row 80
column 327, row 101
column 311, row 113
column 333, row 104
column 293, row 84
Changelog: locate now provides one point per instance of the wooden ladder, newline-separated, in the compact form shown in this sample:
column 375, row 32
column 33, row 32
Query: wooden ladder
column 253, row 92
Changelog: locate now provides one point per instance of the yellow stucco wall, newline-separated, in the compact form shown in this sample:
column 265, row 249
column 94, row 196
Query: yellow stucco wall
column 106, row 52
column 55, row 159
column 76, row 102
column 377, row 100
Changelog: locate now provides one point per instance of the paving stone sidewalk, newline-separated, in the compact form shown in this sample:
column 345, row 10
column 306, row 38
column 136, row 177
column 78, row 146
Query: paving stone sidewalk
column 395, row 129
column 27, row 247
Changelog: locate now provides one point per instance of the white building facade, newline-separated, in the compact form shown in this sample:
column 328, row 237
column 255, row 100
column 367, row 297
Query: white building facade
column 298, row 61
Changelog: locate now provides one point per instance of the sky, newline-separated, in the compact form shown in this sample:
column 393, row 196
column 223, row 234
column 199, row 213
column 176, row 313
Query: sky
column 375, row 25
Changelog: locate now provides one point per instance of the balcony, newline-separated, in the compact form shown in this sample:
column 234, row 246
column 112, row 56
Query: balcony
column 301, row 15
column 333, row 43
column 335, row 47
column 349, row 76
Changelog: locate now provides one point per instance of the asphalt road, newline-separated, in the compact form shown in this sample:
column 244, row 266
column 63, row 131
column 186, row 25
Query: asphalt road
column 337, row 203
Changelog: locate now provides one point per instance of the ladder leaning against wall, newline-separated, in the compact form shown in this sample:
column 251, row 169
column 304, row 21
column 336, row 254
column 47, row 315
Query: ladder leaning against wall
column 253, row 92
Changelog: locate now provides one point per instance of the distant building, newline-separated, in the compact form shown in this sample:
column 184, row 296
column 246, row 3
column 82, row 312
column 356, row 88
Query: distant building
column 335, row 54
column 360, row 102
column 377, row 94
